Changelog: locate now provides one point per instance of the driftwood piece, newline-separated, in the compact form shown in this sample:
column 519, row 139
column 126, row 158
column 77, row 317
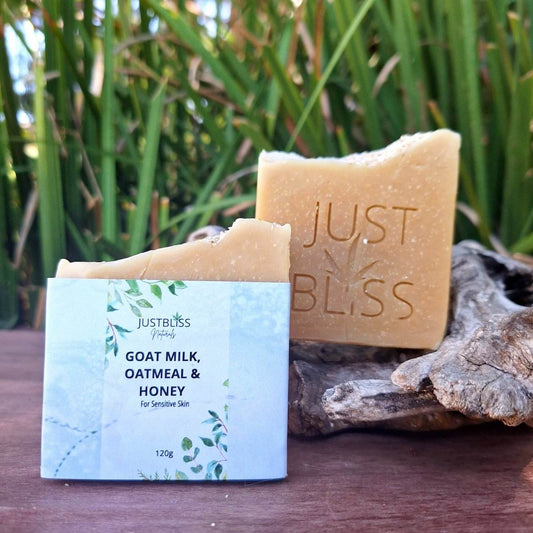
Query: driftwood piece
column 326, row 398
column 484, row 366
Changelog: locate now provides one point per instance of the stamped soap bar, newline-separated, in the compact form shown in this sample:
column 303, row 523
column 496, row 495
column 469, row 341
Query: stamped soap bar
column 165, row 380
column 371, row 239
column 251, row 250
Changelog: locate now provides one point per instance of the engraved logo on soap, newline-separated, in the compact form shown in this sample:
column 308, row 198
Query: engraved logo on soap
column 353, row 281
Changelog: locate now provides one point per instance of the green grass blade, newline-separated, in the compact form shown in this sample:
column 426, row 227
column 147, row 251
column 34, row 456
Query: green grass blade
column 51, row 221
column 8, row 213
column 64, row 55
column 471, row 73
column 408, row 46
column 463, row 47
column 341, row 47
column 9, row 311
column 518, row 189
column 108, row 179
column 84, row 251
column 524, row 245
column 147, row 173
column 200, row 209
column 252, row 131
column 221, row 169
column 497, row 35
column 187, row 35
column 8, row 275
column 500, row 99
column 433, row 21
column 292, row 100
column 521, row 41
column 357, row 59
column 55, row 86
column 10, row 107
column 150, row 50
column 273, row 99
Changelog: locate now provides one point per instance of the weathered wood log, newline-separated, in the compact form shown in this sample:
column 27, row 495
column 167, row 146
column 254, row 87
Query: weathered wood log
column 484, row 367
column 326, row 398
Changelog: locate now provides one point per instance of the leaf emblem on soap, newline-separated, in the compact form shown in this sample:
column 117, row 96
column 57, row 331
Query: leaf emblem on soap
column 349, row 272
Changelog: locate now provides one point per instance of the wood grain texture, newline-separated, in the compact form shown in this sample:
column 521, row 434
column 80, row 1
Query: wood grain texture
column 473, row 479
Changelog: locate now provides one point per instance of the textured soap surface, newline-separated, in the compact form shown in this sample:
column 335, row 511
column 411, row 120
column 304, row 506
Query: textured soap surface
column 251, row 250
column 371, row 239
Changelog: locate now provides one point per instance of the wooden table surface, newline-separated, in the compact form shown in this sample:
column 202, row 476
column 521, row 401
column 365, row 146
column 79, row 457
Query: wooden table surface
column 475, row 479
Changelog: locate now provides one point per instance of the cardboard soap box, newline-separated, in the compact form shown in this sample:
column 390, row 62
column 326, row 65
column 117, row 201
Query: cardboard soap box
column 165, row 380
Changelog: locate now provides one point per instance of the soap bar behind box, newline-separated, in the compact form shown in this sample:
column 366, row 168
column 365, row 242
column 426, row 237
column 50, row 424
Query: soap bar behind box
column 165, row 380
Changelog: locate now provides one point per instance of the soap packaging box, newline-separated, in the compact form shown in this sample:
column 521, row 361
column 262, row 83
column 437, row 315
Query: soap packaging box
column 165, row 380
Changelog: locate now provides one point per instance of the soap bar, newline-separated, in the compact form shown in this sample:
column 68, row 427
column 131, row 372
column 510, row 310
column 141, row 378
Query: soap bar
column 251, row 250
column 371, row 239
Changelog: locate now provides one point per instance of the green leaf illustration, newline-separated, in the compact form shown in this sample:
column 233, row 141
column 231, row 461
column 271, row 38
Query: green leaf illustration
column 110, row 309
column 180, row 475
column 144, row 303
column 135, row 310
column 121, row 330
column 156, row 291
column 215, row 467
column 133, row 287
column 226, row 383
column 176, row 286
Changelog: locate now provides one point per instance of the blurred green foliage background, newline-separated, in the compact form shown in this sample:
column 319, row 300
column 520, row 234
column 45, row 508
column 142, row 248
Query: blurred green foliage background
column 142, row 120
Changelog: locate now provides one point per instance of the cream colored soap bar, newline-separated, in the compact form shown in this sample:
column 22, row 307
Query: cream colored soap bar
column 371, row 239
column 251, row 250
